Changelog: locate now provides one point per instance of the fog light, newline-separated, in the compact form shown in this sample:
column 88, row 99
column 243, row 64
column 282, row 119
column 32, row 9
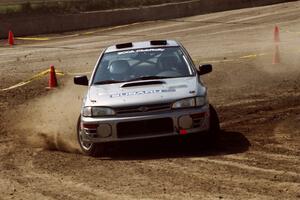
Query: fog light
column 185, row 122
column 104, row 130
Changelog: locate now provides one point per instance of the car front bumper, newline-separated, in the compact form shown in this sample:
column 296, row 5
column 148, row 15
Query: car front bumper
column 145, row 126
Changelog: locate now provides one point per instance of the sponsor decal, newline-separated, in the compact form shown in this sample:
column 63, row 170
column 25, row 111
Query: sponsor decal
column 145, row 92
column 141, row 50
column 179, row 86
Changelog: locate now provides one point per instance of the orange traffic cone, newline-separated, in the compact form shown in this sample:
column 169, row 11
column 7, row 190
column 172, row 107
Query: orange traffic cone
column 11, row 39
column 52, row 79
column 276, row 34
column 276, row 56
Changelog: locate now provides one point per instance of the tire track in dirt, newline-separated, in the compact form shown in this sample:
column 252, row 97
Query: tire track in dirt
column 205, row 178
column 290, row 175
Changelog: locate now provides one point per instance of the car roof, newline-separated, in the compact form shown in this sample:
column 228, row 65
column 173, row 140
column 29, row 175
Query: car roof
column 142, row 45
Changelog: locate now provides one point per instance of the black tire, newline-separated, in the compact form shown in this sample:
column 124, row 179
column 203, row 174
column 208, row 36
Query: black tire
column 214, row 125
column 89, row 149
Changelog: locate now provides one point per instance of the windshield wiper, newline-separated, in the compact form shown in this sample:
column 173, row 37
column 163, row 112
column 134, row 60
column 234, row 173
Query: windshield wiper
column 107, row 82
column 149, row 78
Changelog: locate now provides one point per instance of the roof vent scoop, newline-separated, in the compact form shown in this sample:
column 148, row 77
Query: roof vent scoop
column 159, row 42
column 124, row 45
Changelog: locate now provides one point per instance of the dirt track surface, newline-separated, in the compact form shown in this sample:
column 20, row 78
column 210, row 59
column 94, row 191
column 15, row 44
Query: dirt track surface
column 257, row 156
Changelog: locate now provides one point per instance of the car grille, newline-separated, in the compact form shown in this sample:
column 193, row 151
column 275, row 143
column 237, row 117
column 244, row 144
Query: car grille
column 145, row 128
column 143, row 108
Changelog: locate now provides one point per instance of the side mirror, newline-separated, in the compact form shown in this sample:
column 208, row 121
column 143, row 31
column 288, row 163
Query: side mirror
column 81, row 80
column 204, row 69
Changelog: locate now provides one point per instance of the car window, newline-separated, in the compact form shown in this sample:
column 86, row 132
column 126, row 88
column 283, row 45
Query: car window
column 129, row 65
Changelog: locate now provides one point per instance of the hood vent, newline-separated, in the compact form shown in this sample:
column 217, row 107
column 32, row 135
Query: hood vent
column 142, row 83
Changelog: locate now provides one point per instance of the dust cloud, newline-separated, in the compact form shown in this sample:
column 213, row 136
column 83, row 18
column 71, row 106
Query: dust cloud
column 50, row 122
column 268, row 63
column 276, row 58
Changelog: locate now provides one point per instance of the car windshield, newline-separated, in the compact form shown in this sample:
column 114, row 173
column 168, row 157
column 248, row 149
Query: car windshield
column 142, row 64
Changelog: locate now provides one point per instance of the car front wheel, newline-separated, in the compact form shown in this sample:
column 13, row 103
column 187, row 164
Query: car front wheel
column 214, row 125
column 89, row 149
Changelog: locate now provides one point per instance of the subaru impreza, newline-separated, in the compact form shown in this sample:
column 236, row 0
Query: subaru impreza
column 144, row 90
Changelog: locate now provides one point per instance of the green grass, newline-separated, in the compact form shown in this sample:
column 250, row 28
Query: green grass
column 75, row 6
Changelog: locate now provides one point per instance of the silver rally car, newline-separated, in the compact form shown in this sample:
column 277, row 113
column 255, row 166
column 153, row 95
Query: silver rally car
column 144, row 90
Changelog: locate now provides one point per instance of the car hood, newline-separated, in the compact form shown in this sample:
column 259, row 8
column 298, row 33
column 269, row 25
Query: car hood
column 144, row 92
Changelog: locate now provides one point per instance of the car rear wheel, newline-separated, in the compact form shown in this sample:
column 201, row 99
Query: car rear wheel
column 89, row 149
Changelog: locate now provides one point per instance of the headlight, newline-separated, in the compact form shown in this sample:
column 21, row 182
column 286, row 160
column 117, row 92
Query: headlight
column 201, row 101
column 185, row 103
column 97, row 112
column 191, row 102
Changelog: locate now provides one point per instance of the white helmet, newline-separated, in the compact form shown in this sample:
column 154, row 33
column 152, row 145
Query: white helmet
column 119, row 69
